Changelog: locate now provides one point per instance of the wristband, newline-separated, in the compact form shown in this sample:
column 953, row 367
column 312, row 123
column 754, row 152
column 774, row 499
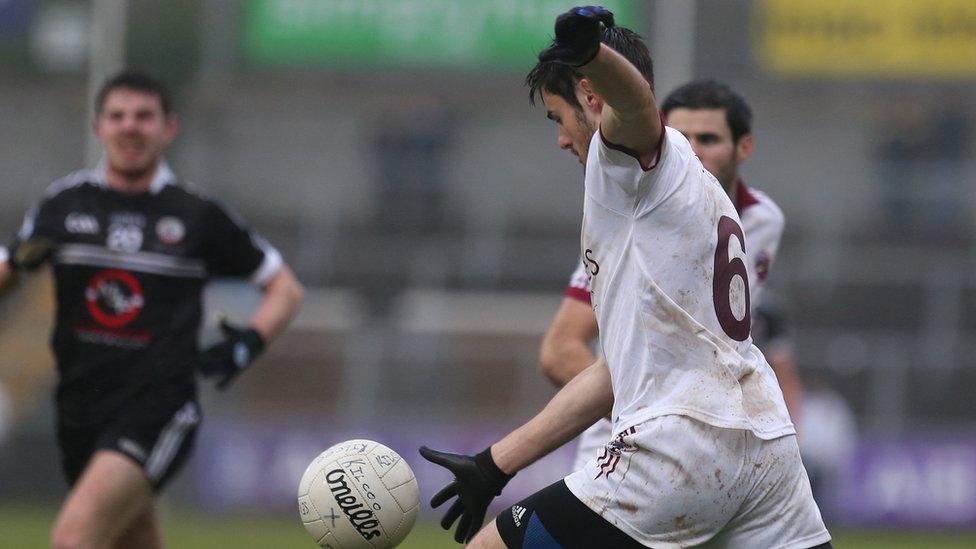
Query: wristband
column 497, row 477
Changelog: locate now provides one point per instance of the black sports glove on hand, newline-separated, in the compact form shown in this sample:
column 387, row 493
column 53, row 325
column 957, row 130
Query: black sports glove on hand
column 232, row 356
column 577, row 36
column 477, row 480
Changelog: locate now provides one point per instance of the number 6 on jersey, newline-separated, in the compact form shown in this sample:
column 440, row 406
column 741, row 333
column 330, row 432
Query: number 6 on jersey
column 725, row 271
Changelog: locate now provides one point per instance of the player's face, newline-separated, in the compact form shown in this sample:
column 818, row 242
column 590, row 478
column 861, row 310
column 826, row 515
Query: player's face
column 711, row 139
column 133, row 131
column 576, row 127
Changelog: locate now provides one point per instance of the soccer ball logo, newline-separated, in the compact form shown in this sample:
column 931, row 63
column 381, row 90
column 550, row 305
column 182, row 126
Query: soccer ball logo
column 358, row 494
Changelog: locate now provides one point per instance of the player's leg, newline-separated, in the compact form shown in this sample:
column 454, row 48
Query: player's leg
column 144, row 446
column 112, row 492
column 780, row 510
column 144, row 532
column 487, row 538
column 552, row 517
column 670, row 481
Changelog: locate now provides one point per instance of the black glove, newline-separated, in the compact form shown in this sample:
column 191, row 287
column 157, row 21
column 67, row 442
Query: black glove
column 578, row 36
column 477, row 480
column 232, row 356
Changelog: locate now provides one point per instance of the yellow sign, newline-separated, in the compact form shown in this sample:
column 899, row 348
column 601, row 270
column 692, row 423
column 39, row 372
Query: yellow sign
column 874, row 38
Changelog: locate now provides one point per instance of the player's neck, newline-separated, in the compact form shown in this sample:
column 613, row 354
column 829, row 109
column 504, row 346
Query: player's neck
column 733, row 190
column 130, row 182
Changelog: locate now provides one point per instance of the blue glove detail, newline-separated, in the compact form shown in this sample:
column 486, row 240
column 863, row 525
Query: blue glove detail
column 578, row 35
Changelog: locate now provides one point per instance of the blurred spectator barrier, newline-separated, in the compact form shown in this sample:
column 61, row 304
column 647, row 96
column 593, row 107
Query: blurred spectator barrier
column 844, row 38
column 910, row 481
column 255, row 466
column 354, row 33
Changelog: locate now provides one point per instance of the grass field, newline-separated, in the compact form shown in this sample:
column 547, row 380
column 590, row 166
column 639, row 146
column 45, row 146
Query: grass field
column 26, row 527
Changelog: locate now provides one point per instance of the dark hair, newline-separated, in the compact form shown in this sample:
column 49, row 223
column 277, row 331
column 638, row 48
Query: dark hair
column 559, row 79
column 709, row 94
column 138, row 81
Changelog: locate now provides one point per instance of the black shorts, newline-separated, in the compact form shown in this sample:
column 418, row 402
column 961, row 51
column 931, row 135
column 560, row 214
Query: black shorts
column 552, row 518
column 156, row 429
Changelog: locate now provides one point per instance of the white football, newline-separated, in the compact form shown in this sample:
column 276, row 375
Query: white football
column 358, row 494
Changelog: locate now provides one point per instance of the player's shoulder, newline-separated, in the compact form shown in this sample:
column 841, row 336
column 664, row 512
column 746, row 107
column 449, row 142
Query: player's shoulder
column 756, row 206
column 677, row 142
column 74, row 182
column 191, row 194
column 194, row 196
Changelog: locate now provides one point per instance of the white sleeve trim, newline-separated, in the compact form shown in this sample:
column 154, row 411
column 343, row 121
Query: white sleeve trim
column 4, row 254
column 269, row 267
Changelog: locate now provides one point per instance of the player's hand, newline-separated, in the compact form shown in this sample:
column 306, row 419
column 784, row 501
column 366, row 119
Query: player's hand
column 477, row 480
column 30, row 254
column 225, row 360
column 578, row 35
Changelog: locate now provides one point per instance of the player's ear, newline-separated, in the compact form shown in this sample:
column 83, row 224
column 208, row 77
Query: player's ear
column 171, row 127
column 744, row 148
column 587, row 97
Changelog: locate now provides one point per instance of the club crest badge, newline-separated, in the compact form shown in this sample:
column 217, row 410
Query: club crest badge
column 170, row 230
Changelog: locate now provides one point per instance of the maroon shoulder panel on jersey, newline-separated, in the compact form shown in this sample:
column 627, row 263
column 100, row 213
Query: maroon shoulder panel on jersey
column 744, row 198
column 578, row 294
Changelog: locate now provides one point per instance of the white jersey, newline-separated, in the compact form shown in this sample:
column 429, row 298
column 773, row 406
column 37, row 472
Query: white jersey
column 762, row 224
column 664, row 252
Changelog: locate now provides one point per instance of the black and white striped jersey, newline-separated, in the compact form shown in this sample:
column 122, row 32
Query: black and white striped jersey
column 129, row 272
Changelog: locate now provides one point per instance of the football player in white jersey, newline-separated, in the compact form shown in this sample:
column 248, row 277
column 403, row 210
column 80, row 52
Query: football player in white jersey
column 705, row 451
column 718, row 124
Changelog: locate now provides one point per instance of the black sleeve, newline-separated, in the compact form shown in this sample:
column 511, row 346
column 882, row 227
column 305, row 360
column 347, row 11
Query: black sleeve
column 37, row 237
column 233, row 249
column 770, row 322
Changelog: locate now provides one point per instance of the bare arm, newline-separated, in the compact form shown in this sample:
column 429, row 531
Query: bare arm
column 283, row 294
column 630, row 117
column 585, row 399
column 781, row 360
column 565, row 350
column 5, row 274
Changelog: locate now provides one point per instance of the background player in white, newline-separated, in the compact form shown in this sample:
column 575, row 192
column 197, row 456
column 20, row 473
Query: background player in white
column 705, row 451
column 718, row 124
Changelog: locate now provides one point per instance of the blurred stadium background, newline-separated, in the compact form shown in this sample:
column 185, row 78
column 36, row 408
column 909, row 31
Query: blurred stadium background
column 388, row 149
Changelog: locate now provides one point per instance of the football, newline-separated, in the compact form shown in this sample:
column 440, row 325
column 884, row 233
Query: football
column 358, row 494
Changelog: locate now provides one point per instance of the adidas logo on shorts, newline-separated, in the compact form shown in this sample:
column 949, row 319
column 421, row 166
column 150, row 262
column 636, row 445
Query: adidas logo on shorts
column 517, row 513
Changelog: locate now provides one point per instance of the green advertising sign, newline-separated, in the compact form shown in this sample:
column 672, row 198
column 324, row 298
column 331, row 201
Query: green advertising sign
column 369, row 33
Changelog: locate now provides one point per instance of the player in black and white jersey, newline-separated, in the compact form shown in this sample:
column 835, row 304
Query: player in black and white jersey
column 705, row 451
column 131, row 249
column 718, row 124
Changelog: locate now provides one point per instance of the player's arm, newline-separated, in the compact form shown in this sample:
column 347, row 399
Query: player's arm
column 565, row 349
column 784, row 366
column 777, row 346
column 283, row 295
column 235, row 250
column 478, row 479
column 584, row 400
column 630, row 118
column 33, row 243
column 6, row 273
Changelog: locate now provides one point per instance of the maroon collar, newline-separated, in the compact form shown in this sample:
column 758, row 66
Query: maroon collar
column 631, row 152
column 744, row 198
